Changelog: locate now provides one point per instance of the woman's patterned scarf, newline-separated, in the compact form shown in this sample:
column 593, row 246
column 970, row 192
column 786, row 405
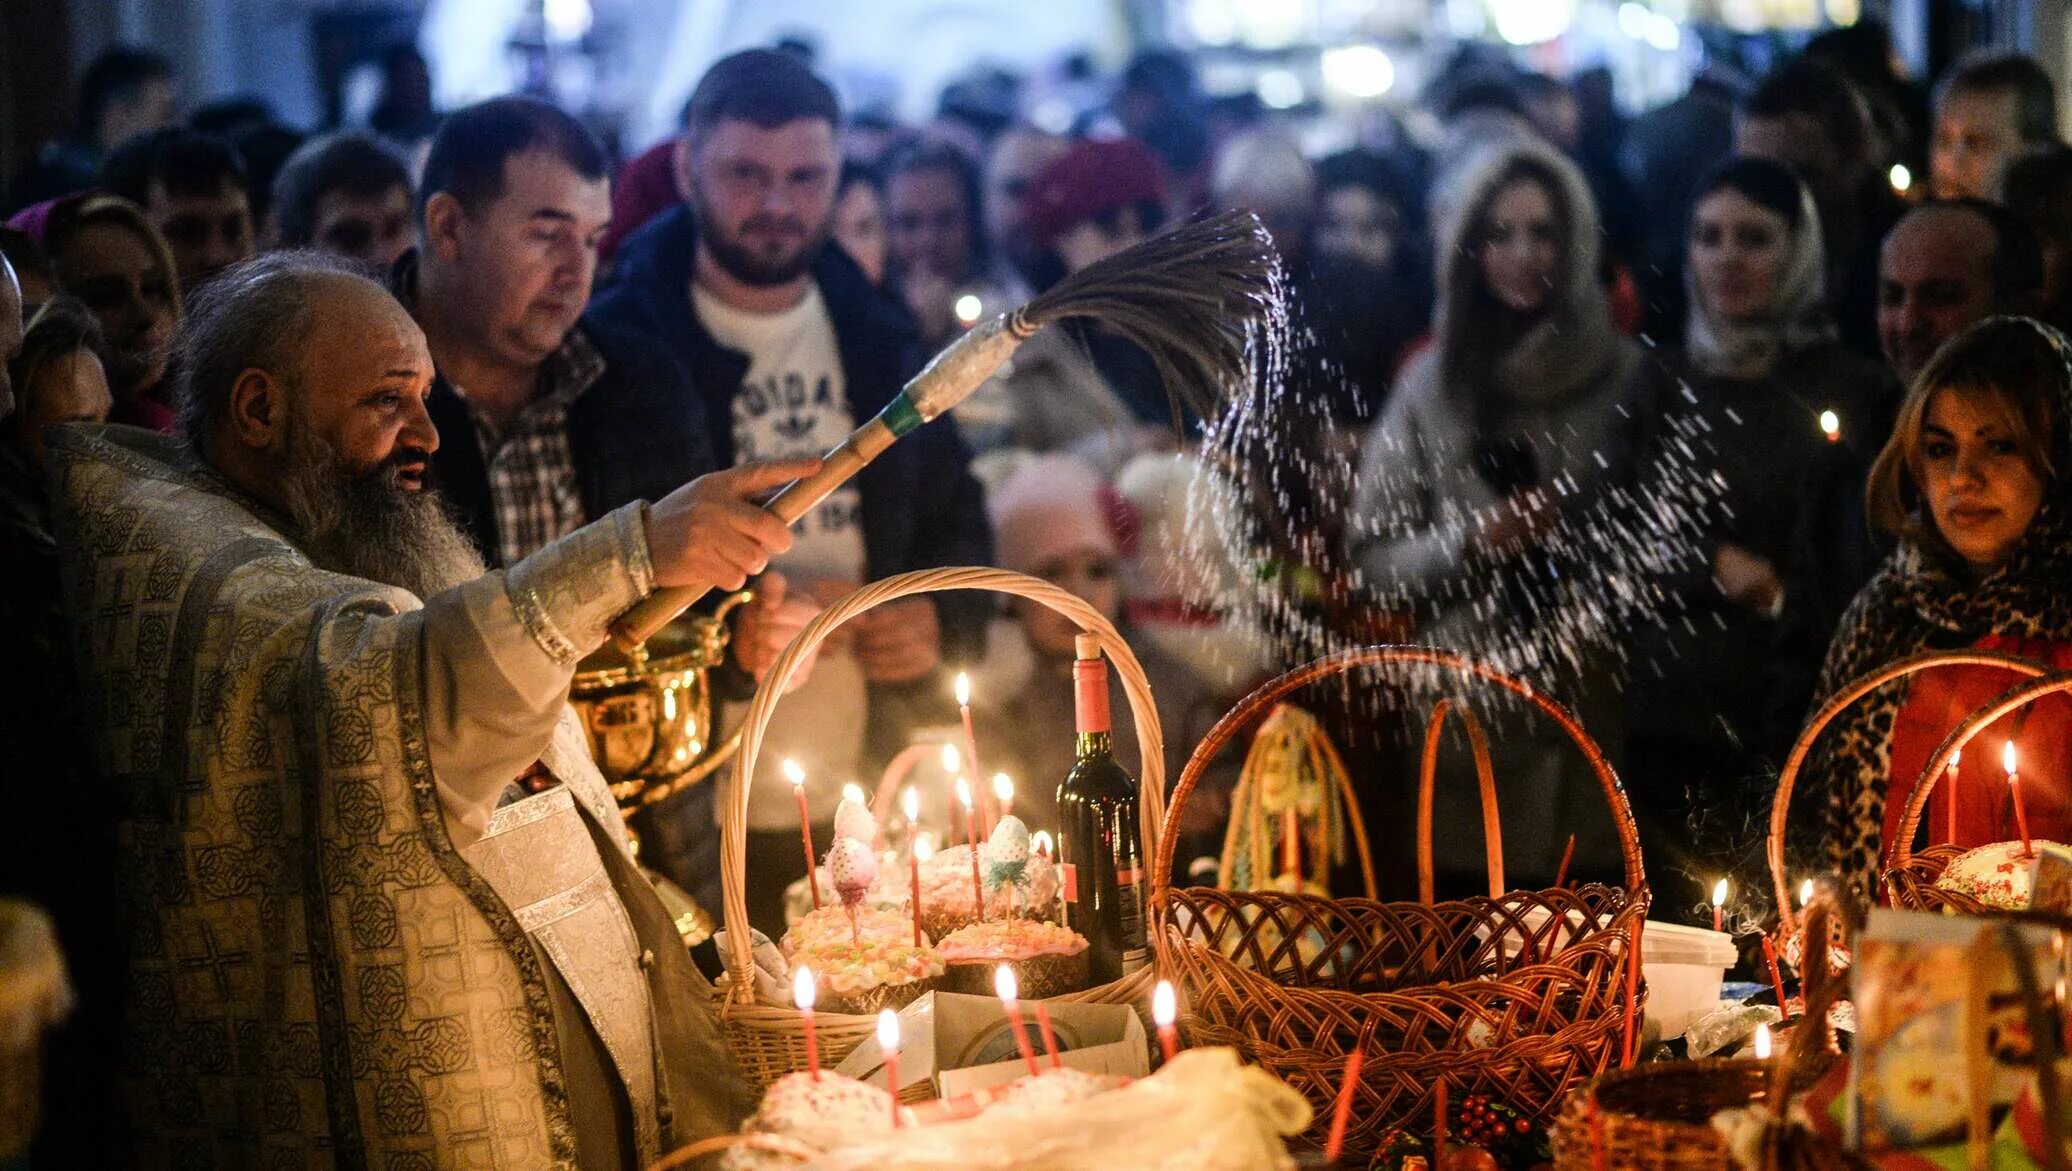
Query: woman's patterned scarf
column 1917, row 602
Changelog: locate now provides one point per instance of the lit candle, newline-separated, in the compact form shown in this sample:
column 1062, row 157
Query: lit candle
column 1009, row 991
column 1776, row 979
column 1164, row 1011
column 970, row 740
column 1719, row 903
column 910, row 804
column 888, row 1044
column 1050, row 1039
column 1342, row 1109
column 797, row 777
column 1831, row 426
column 1003, row 792
column 1762, row 1042
column 1040, row 842
column 1950, row 797
column 803, row 993
column 1805, row 894
column 978, row 887
column 2014, row 786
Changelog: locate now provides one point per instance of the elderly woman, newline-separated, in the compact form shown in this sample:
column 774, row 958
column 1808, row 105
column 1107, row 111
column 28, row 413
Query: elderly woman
column 1743, row 397
column 1974, row 484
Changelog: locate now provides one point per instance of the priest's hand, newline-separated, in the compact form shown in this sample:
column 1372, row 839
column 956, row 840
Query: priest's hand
column 712, row 533
column 766, row 625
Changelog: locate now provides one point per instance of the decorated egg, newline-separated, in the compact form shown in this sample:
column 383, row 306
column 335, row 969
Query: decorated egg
column 853, row 867
column 853, row 820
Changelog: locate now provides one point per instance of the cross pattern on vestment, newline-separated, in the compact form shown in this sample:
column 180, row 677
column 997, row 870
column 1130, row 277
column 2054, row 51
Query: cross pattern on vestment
column 216, row 960
column 116, row 607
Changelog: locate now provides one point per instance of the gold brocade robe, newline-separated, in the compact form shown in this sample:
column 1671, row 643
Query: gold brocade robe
column 345, row 949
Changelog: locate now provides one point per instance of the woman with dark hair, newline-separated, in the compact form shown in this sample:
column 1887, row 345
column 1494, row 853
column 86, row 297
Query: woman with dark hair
column 1744, row 397
column 1974, row 482
column 935, row 238
column 860, row 219
column 1496, row 441
column 110, row 257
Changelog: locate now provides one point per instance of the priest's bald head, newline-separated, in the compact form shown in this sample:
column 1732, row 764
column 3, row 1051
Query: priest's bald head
column 304, row 384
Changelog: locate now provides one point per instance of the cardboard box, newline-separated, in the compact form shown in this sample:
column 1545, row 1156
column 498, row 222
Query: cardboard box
column 962, row 1043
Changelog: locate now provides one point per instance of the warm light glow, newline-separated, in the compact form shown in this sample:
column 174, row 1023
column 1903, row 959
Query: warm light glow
column 1805, row 893
column 1902, row 179
column 1003, row 787
column 1005, row 986
column 2007, row 758
column 792, row 772
column 1041, row 841
column 804, row 990
column 964, row 793
column 952, row 760
column 1830, row 425
column 1358, row 71
column 968, row 308
column 1954, row 758
column 1762, row 1042
column 963, row 689
column 851, row 791
column 910, row 804
column 1719, row 893
column 888, row 1031
column 1164, row 1009
column 924, row 847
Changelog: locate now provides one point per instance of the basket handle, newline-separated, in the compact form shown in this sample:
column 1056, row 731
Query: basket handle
column 1836, row 704
column 2013, row 699
column 1136, row 687
column 1485, row 776
column 1252, row 706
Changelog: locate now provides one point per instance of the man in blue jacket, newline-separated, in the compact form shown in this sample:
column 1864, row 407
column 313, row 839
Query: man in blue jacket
column 789, row 348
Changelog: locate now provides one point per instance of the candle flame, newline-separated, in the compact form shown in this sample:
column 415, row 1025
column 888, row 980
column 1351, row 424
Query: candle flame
column 1005, row 986
column 1831, row 425
column 1762, row 1042
column 964, row 793
column 1041, row 841
column 1164, row 1008
column 910, row 804
column 1003, row 787
column 851, row 791
column 1954, row 758
column 888, row 1030
column 924, row 847
column 2007, row 760
column 792, row 772
column 1719, row 893
column 963, row 689
column 952, row 760
column 804, row 991
column 1805, row 892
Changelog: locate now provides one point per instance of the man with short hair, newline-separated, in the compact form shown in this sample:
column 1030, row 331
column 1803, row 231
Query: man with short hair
column 193, row 190
column 1943, row 268
column 347, row 194
column 123, row 92
column 1807, row 115
column 1016, row 157
column 790, row 347
column 383, row 910
column 1987, row 109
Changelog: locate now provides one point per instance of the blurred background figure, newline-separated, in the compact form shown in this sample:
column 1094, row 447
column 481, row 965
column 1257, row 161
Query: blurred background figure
column 1987, row 111
column 860, row 220
column 1019, row 154
column 106, row 253
column 123, row 92
column 345, row 193
column 194, row 191
column 2036, row 188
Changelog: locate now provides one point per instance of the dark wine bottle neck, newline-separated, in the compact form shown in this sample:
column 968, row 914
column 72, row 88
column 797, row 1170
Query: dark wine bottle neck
column 1096, row 744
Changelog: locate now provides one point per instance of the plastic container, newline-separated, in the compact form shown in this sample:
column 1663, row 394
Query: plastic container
column 1685, row 967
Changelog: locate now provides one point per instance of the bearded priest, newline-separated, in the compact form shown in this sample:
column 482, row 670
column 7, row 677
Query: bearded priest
column 378, row 902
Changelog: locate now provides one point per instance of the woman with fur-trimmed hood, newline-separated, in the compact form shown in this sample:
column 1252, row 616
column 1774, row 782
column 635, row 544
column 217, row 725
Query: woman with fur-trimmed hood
column 1506, row 426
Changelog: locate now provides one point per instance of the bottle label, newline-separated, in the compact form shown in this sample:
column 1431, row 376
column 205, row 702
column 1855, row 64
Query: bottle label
column 1090, row 694
column 1069, row 881
column 1136, row 955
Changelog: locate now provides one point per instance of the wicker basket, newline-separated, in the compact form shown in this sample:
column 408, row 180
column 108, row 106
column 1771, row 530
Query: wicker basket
column 1423, row 990
column 1658, row 1117
column 767, row 1037
column 1914, row 875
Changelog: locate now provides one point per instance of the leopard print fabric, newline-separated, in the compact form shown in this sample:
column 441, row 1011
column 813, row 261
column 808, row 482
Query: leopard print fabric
column 1917, row 602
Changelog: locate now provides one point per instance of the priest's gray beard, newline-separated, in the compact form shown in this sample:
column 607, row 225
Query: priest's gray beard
column 367, row 524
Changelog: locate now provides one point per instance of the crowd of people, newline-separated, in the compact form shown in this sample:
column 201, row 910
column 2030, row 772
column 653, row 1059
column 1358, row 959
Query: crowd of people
column 451, row 391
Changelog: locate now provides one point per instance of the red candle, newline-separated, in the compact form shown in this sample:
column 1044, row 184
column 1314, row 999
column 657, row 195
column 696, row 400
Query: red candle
column 1596, row 1134
column 978, row 887
column 1632, row 990
column 803, row 993
column 1439, row 1123
column 797, row 777
column 971, row 744
column 910, row 804
column 1776, row 980
column 1568, row 854
column 1719, row 902
column 1342, row 1108
column 1009, row 991
column 2014, row 786
column 1165, row 1009
column 888, row 1044
column 1291, row 830
column 1950, row 797
column 1050, row 1039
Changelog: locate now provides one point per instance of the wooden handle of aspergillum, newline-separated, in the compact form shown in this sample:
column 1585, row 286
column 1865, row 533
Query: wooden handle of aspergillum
column 793, row 501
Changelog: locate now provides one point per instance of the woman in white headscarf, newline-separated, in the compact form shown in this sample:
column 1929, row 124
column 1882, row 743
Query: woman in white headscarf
column 1751, row 394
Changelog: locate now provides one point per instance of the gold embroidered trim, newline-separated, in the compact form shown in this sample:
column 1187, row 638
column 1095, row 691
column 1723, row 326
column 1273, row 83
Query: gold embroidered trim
column 536, row 808
column 555, row 907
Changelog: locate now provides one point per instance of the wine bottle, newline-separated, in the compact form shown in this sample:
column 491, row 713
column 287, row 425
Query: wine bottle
column 1100, row 852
